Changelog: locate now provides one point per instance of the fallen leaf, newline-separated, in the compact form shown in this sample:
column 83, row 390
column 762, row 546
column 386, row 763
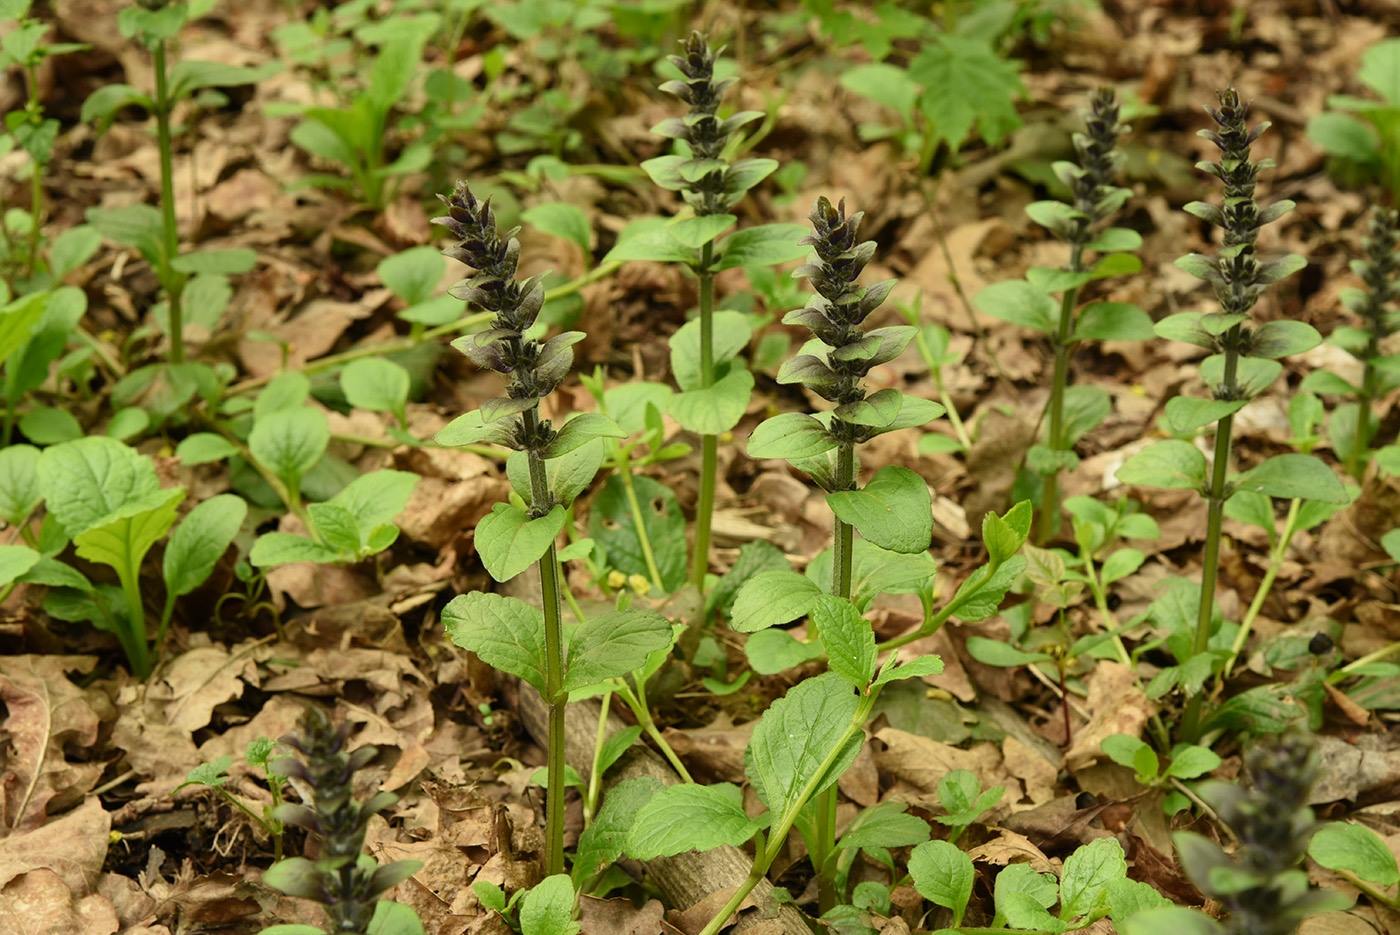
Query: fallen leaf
column 73, row 846
column 1116, row 706
column 46, row 713
column 38, row 903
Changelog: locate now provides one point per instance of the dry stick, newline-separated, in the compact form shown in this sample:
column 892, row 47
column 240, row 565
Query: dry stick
column 687, row 878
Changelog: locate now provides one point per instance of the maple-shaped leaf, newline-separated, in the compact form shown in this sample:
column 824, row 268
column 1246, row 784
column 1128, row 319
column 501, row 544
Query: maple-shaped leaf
column 965, row 81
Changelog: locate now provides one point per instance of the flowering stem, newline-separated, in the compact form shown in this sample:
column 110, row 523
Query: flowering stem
column 709, row 444
column 540, row 503
column 172, row 280
column 1054, row 436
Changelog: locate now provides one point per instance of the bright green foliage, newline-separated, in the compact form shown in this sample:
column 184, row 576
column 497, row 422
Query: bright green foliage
column 604, row 841
column 509, row 541
column 963, row 797
column 943, row 875
column 1366, row 150
column 548, row 908
column 1343, row 846
column 352, row 525
column 377, row 385
column 795, row 740
column 691, row 818
column 894, row 510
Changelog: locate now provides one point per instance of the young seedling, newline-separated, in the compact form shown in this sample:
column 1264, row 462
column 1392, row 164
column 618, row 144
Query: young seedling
column 1030, row 302
column 1243, row 364
column 551, row 467
column 1352, row 426
column 258, row 754
column 1187, row 761
column 341, row 877
column 1363, row 154
column 1360, row 856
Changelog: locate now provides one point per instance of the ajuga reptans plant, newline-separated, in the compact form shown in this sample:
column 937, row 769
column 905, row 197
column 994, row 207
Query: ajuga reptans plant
column 1352, row 424
column 1242, row 364
column 549, row 469
column 1073, row 410
column 342, row 877
column 715, row 385
column 1263, row 887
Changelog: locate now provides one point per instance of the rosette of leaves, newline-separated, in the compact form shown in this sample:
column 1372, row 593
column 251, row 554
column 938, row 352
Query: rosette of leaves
column 1263, row 887
column 1351, row 424
column 715, row 384
column 344, row 879
column 1074, row 410
column 549, row 469
column 1243, row 362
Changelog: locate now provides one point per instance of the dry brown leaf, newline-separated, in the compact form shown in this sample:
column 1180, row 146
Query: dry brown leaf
column 1037, row 775
column 73, row 846
column 38, row 903
column 200, row 679
column 1007, row 848
column 922, row 761
column 620, row 917
column 311, row 332
column 1116, row 706
column 46, row 712
column 716, row 750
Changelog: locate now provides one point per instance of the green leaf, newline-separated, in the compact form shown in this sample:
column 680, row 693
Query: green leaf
column 1086, row 876
column 996, row 653
column 1129, row 897
column 731, row 332
column 580, row 430
column 1120, row 564
column 1192, row 761
column 469, row 429
column 215, row 262
column 1340, row 845
column 123, row 538
column 613, row 644
column 603, row 842
column 695, row 232
column 88, row 480
column 48, row 425
column 715, row 409
column 562, row 220
column 19, row 483
column 505, row 632
column 1187, row 413
column 894, row 510
column 914, row 669
column 15, row 560
column 771, row 598
column 943, row 875
column 848, row 638
column 986, row 84
column 690, row 817
column 764, row 245
column 1004, row 535
column 289, row 442
column 568, row 474
column 1020, row 303
column 391, row 918
column 884, row 84
column 375, row 384
column 414, row 274
column 200, row 541
column 548, row 908
column 287, row 390
column 1020, row 892
column 509, row 541
column 1380, row 70
column 1274, row 339
column 772, row 651
column 1113, row 321
column 795, row 737
column 614, row 527
column 1177, row 920
column 790, row 435
column 1295, row 476
column 377, row 497
column 1172, row 463
column 883, row 826
column 1344, row 136
column 615, row 746
column 650, row 238
column 282, row 548
column 17, row 321
column 138, row 225
column 212, row 774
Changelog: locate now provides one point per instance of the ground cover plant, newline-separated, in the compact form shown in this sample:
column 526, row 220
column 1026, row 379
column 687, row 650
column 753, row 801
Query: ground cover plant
column 455, row 474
